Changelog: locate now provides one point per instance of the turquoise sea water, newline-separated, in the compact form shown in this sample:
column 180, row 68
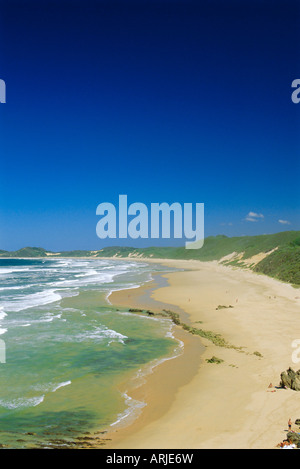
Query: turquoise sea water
column 67, row 352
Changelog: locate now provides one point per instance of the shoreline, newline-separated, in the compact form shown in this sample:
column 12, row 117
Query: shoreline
column 239, row 330
column 158, row 385
column 226, row 405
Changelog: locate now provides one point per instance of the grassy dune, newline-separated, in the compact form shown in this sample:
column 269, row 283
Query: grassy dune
column 276, row 255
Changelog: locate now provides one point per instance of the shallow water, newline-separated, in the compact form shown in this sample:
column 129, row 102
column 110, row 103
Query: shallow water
column 66, row 351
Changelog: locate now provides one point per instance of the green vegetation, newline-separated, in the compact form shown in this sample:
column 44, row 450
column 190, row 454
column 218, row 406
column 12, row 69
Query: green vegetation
column 143, row 311
column 216, row 339
column 25, row 252
column 213, row 337
column 214, row 360
column 174, row 316
column 77, row 253
column 282, row 262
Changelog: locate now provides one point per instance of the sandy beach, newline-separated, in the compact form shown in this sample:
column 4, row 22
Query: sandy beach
column 192, row 403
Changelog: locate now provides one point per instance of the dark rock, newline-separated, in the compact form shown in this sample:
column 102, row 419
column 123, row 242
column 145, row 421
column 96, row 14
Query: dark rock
column 297, row 422
column 293, row 437
column 290, row 379
column 58, row 441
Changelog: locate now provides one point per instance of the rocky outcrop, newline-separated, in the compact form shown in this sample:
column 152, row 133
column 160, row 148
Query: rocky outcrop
column 294, row 438
column 290, row 379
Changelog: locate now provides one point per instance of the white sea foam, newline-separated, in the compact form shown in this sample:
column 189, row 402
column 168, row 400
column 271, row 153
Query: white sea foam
column 19, row 287
column 21, row 402
column 86, row 279
column 64, row 263
column 50, row 318
column 133, row 409
column 88, row 273
column 111, row 334
column 2, row 313
column 11, row 270
column 128, row 287
column 61, row 385
column 148, row 369
column 50, row 387
column 29, row 301
column 100, row 333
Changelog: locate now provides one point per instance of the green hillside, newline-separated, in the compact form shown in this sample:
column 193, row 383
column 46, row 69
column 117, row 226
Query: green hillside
column 281, row 250
column 283, row 264
column 276, row 255
column 25, row 252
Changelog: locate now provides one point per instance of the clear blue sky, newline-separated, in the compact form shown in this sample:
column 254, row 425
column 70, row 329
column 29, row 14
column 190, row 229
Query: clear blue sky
column 165, row 101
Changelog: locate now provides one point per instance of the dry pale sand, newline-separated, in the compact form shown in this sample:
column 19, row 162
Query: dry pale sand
column 194, row 404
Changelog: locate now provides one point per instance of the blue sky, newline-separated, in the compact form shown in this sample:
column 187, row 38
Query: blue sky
column 165, row 101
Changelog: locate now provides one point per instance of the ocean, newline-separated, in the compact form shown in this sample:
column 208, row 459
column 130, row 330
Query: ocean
column 67, row 352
